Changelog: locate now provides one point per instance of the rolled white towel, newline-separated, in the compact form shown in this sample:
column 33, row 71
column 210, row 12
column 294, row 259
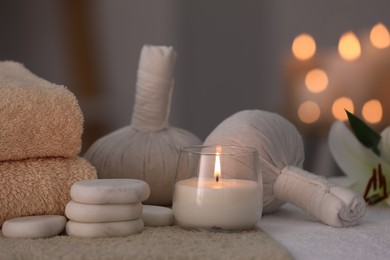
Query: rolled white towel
column 333, row 205
column 354, row 208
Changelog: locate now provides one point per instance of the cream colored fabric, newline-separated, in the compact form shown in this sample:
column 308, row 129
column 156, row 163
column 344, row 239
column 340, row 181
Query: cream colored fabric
column 148, row 148
column 153, row 243
column 333, row 205
column 276, row 139
column 154, row 88
column 39, row 186
column 281, row 154
column 148, row 156
column 37, row 118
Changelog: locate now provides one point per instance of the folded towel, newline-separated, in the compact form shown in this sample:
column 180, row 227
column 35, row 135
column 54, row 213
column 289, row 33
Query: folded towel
column 37, row 118
column 39, row 186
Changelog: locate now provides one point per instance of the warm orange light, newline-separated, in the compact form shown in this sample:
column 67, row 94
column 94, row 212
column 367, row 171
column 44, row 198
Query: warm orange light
column 309, row 112
column 379, row 36
column 372, row 111
column 304, row 46
column 349, row 46
column 316, row 80
column 217, row 167
column 339, row 106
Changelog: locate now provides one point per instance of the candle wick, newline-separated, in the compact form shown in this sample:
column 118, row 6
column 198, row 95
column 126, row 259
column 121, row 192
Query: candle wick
column 217, row 178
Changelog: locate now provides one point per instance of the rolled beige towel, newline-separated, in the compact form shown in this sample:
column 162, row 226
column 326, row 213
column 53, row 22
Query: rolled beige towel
column 39, row 186
column 37, row 118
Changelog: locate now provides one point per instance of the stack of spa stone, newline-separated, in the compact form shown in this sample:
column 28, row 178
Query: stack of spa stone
column 106, row 208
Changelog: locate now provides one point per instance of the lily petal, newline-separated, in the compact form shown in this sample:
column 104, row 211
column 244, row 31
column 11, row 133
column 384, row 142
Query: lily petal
column 384, row 144
column 354, row 159
column 343, row 181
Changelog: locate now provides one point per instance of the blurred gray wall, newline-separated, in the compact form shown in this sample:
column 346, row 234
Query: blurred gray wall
column 229, row 52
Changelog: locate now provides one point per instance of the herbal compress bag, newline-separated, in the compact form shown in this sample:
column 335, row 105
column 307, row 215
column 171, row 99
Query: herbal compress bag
column 148, row 148
column 281, row 155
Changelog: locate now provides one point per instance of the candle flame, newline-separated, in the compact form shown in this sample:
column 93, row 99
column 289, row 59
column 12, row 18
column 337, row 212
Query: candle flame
column 349, row 46
column 217, row 167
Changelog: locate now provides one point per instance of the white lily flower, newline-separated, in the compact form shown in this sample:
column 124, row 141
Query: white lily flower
column 384, row 144
column 356, row 160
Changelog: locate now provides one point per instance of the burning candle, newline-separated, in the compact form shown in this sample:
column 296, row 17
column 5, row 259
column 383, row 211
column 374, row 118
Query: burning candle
column 224, row 192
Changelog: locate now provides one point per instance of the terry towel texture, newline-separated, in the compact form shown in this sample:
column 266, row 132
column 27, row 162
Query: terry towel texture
column 171, row 243
column 39, row 186
column 41, row 125
column 37, row 118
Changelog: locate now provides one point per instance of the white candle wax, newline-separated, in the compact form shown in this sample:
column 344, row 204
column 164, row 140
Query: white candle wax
column 226, row 204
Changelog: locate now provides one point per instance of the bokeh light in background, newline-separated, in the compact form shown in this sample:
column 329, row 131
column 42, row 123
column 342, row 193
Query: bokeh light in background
column 372, row 111
column 340, row 105
column 349, row 46
column 304, row 47
column 309, row 112
column 379, row 36
column 319, row 75
column 316, row 80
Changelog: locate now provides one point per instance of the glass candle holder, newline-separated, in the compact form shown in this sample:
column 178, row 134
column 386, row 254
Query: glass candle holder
column 218, row 187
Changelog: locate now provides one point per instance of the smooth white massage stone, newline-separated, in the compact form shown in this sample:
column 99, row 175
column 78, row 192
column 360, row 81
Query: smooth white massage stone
column 34, row 226
column 107, row 229
column 110, row 191
column 156, row 216
column 81, row 212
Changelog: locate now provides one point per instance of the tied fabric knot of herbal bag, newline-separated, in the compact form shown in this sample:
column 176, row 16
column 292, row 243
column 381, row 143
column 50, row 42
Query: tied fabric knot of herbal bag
column 364, row 156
